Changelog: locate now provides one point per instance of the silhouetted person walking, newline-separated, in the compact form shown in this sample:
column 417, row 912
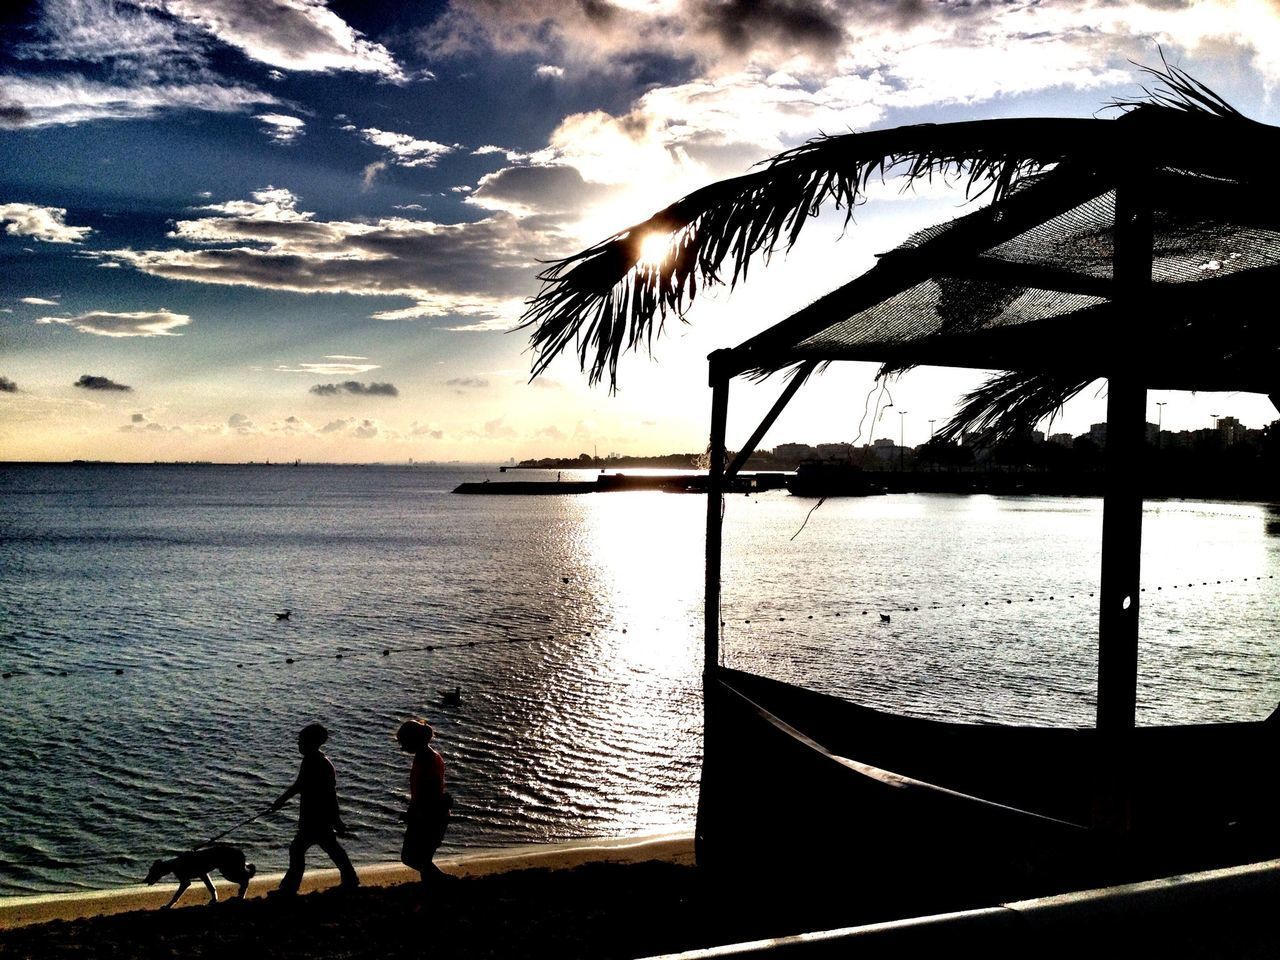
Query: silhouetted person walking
column 319, row 823
column 429, row 802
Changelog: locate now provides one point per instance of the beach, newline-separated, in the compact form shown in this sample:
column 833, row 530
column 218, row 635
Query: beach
column 632, row 897
column 531, row 900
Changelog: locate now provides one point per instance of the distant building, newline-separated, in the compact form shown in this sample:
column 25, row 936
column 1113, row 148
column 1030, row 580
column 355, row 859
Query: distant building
column 885, row 450
column 1062, row 439
column 1037, row 436
column 835, row 451
column 794, row 451
column 1098, row 433
column 1230, row 431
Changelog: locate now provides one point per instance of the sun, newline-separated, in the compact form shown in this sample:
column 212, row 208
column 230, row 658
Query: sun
column 654, row 249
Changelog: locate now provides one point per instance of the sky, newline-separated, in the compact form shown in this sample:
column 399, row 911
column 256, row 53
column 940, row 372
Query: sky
column 241, row 230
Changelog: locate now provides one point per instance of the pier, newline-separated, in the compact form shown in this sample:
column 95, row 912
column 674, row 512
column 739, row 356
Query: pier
column 614, row 482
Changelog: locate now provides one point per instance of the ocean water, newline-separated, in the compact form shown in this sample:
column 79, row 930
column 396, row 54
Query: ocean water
column 154, row 698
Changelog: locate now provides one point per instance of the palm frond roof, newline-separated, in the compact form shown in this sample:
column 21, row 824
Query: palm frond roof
column 1026, row 283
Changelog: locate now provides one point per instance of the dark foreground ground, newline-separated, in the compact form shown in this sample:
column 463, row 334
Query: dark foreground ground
column 613, row 910
column 598, row 911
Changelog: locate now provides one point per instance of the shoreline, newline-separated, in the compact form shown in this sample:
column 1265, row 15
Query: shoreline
column 675, row 847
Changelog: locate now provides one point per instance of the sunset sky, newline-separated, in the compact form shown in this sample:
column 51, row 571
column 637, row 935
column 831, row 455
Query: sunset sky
column 248, row 229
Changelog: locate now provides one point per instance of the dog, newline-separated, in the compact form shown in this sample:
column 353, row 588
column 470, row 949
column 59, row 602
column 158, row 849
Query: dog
column 226, row 859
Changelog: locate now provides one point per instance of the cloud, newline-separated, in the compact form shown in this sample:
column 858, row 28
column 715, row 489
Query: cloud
column 498, row 430
column 603, row 35
column 90, row 382
column 7, row 385
column 281, row 127
column 371, row 172
column 490, row 313
column 481, row 269
column 548, row 71
column 49, row 100
column 355, row 387
column 405, row 150
column 551, row 433
column 39, row 302
column 47, row 224
column 141, row 423
column 241, row 424
column 100, row 31
column 360, row 429
column 298, row 35
column 554, row 188
column 426, row 430
column 330, row 369
column 468, row 383
column 13, row 115
column 155, row 323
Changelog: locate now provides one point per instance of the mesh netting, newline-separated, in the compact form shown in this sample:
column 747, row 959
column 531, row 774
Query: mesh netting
column 1201, row 231
column 945, row 306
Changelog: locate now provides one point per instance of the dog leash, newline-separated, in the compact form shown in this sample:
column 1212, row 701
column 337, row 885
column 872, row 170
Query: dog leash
column 232, row 829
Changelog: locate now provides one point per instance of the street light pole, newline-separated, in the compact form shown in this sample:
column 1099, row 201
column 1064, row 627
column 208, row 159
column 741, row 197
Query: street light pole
column 902, row 450
column 931, row 423
column 1160, row 424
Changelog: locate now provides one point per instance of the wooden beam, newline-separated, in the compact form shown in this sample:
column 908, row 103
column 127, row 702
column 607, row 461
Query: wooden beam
column 719, row 380
column 797, row 381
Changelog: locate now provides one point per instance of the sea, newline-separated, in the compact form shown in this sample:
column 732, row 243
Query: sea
column 152, row 695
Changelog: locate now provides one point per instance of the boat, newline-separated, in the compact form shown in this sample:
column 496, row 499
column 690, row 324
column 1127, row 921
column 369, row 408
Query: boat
column 830, row 478
column 946, row 815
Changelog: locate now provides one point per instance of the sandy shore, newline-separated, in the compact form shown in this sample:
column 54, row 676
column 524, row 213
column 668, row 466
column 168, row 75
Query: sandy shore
column 674, row 848
column 606, row 899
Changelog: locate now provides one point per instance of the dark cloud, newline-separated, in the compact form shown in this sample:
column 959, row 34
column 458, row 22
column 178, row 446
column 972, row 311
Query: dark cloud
column 7, row 385
column 606, row 34
column 742, row 25
column 90, row 382
column 485, row 258
column 13, row 114
column 550, row 189
column 357, row 388
column 477, row 383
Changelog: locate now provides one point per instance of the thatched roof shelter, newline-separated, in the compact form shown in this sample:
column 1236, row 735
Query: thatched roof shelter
column 1140, row 249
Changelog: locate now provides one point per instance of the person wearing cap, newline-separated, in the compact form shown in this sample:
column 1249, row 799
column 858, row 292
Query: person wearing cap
column 319, row 822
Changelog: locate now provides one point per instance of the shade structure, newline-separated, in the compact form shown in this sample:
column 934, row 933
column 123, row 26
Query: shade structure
column 1028, row 283
column 1140, row 250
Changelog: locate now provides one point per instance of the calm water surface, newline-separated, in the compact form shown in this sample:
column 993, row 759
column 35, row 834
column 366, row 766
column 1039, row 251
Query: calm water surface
column 572, row 625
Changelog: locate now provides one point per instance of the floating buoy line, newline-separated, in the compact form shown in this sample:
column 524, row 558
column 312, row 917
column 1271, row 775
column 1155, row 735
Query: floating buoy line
column 865, row 609
column 884, row 609
column 257, row 662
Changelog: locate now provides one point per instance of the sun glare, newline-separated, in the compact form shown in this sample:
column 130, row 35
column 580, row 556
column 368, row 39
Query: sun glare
column 654, row 249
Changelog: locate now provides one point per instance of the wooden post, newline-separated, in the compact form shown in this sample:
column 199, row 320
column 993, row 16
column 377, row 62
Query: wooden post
column 719, row 380
column 1122, row 513
column 709, row 798
column 1121, row 558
